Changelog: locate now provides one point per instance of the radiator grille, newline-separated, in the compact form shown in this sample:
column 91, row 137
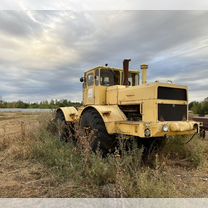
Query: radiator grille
column 168, row 93
column 172, row 112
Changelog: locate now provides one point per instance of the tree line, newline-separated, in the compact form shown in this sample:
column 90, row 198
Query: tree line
column 197, row 107
column 53, row 104
column 200, row 108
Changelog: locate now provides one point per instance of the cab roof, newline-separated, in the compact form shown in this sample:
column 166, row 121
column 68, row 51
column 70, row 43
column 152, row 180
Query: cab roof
column 110, row 68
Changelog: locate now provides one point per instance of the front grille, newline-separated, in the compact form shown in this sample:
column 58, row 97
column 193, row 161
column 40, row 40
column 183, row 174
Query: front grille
column 168, row 93
column 172, row 112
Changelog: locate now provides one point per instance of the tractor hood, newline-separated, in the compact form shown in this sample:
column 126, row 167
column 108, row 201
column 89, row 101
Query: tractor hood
column 122, row 95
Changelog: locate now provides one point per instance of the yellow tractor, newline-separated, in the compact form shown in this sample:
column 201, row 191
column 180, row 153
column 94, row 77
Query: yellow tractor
column 117, row 105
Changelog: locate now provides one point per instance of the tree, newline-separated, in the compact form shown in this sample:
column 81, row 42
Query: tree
column 191, row 104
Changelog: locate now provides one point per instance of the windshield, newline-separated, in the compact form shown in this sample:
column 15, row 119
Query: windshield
column 109, row 77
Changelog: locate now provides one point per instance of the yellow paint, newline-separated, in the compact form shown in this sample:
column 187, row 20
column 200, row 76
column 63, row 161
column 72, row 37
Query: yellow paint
column 110, row 115
column 138, row 128
column 108, row 99
column 70, row 113
column 144, row 68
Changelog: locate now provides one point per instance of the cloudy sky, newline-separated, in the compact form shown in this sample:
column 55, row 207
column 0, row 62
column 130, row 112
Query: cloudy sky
column 44, row 53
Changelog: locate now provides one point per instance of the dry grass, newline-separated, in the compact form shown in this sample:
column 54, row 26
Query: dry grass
column 34, row 163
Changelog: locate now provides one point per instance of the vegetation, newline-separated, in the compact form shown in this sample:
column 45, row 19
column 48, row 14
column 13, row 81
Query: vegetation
column 197, row 107
column 120, row 174
column 53, row 168
column 114, row 176
column 53, row 104
column 200, row 108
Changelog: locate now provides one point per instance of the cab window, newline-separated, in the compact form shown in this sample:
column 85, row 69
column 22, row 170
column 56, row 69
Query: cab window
column 90, row 79
column 109, row 77
column 133, row 79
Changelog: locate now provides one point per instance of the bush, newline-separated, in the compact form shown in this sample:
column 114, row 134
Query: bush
column 191, row 152
column 200, row 108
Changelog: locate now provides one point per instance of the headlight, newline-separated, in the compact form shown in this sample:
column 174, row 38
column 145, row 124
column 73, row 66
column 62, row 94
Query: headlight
column 147, row 132
column 165, row 128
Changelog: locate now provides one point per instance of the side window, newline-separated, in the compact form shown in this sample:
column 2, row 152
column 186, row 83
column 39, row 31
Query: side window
column 90, row 79
column 130, row 81
column 136, row 79
column 133, row 79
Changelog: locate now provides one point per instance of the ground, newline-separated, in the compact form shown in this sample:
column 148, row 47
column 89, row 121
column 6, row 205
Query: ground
column 18, row 177
column 23, row 176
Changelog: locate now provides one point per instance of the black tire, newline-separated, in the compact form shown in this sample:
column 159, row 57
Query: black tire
column 152, row 147
column 65, row 132
column 102, row 140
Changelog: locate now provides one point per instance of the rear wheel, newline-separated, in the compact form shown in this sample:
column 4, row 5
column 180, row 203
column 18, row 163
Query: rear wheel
column 92, row 120
column 152, row 147
column 65, row 131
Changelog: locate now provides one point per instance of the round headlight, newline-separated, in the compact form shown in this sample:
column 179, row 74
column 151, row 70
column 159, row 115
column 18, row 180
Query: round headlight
column 165, row 128
column 147, row 132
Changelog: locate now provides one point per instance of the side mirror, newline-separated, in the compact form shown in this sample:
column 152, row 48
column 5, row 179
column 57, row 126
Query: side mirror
column 82, row 79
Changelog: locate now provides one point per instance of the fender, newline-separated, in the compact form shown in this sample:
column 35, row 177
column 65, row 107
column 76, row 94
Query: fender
column 70, row 113
column 110, row 115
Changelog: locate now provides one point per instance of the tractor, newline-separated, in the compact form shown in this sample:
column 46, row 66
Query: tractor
column 118, row 104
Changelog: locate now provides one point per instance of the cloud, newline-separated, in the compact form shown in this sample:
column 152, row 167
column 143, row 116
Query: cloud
column 17, row 23
column 43, row 53
column 104, row 5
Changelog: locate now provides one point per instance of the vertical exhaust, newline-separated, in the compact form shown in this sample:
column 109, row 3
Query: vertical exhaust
column 144, row 68
column 126, row 71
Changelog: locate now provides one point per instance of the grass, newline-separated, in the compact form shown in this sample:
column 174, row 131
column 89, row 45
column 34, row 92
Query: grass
column 59, row 169
column 193, row 152
column 114, row 176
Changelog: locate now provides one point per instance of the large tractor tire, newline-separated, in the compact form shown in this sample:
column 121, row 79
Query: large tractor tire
column 65, row 132
column 102, row 141
column 152, row 147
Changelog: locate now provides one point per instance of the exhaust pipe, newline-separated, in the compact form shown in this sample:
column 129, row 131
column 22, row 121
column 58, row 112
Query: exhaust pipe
column 144, row 68
column 126, row 71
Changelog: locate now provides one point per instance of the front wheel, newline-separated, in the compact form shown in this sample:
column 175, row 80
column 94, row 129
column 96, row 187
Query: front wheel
column 92, row 120
column 152, row 147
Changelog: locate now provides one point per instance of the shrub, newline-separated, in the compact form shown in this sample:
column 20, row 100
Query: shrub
column 191, row 152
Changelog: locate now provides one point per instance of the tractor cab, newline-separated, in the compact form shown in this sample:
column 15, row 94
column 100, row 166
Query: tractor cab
column 97, row 80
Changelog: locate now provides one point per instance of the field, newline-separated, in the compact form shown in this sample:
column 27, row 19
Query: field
column 34, row 163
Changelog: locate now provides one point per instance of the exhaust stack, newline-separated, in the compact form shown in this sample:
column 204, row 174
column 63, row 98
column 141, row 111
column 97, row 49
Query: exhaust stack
column 126, row 71
column 144, row 68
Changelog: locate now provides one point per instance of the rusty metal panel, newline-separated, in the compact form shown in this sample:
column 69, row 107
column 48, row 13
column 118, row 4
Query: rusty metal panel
column 204, row 120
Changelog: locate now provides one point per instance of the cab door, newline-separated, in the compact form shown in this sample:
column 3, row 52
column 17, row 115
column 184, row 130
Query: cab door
column 89, row 91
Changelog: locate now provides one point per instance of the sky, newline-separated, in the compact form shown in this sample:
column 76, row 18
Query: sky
column 44, row 53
